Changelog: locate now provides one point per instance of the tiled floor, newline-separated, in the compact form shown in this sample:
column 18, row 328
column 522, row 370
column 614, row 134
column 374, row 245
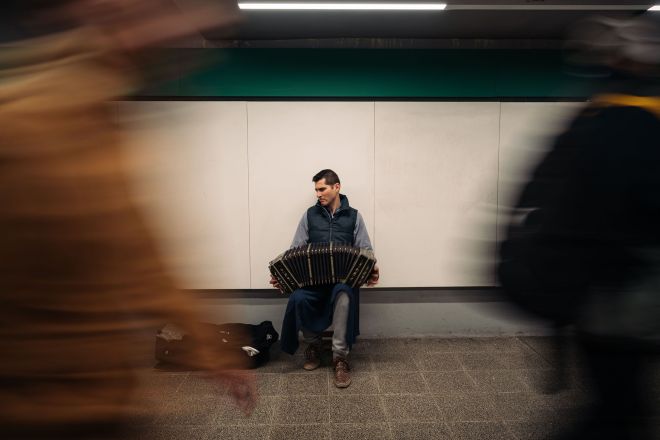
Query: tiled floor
column 467, row 388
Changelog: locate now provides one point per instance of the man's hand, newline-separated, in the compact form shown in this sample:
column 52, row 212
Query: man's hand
column 275, row 284
column 373, row 278
column 241, row 387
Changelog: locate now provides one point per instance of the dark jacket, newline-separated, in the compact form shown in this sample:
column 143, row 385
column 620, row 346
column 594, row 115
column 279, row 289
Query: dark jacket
column 588, row 249
column 324, row 227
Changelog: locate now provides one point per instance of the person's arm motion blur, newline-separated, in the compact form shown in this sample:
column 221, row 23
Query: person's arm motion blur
column 136, row 24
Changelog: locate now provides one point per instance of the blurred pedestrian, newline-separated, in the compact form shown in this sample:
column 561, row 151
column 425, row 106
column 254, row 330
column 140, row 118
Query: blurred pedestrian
column 81, row 280
column 584, row 249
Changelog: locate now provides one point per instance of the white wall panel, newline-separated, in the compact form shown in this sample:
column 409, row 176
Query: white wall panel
column 225, row 183
column 436, row 180
column 289, row 142
column 191, row 175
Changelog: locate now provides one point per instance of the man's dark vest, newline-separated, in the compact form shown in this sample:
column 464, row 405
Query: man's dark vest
column 324, row 228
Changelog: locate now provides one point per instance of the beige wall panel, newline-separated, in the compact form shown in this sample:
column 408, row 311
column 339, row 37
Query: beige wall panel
column 527, row 130
column 436, row 180
column 289, row 142
column 191, row 176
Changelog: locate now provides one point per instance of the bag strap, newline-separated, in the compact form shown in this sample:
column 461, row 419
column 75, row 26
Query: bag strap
column 648, row 103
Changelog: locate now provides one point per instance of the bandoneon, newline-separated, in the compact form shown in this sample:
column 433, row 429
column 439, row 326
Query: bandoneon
column 322, row 263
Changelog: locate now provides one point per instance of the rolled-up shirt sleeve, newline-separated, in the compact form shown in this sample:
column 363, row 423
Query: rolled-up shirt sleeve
column 360, row 234
column 301, row 237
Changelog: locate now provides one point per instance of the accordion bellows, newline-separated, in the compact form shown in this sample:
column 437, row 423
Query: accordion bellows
column 322, row 263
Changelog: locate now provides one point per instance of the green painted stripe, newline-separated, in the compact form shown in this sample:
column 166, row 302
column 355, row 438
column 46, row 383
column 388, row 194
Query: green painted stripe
column 364, row 73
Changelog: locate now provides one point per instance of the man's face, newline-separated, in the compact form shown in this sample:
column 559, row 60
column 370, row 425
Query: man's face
column 326, row 193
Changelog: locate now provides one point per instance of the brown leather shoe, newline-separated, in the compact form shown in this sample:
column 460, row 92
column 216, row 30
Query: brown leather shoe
column 312, row 357
column 342, row 372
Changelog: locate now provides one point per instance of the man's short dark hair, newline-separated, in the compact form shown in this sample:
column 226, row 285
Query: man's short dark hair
column 330, row 177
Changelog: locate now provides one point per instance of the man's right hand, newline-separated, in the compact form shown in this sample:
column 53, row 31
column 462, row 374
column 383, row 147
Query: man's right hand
column 275, row 284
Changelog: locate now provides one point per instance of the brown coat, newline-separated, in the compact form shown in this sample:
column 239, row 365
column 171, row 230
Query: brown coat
column 80, row 278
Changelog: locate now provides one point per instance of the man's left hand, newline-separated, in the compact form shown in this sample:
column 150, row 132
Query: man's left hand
column 373, row 278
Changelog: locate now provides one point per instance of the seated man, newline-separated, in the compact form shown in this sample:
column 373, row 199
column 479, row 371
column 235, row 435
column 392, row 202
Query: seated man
column 312, row 309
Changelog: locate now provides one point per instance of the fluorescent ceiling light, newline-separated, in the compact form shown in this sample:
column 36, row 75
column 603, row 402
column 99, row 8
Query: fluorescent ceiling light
column 655, row 8
column 345, row 6
column 548, row 7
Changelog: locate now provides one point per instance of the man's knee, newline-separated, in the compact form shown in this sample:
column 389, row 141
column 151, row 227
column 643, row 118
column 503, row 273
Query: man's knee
column 343, row 299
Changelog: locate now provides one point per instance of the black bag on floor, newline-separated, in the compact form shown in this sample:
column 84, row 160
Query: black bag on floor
column 175, row 347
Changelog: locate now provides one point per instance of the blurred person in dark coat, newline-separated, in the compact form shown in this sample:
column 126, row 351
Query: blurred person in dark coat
column 80, row 277
column 584, row 247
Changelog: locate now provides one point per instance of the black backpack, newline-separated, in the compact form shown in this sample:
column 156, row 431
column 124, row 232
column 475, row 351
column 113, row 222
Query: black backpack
column 175, row 347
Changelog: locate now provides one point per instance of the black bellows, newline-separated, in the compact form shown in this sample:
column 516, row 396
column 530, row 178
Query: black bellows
column 322, row 263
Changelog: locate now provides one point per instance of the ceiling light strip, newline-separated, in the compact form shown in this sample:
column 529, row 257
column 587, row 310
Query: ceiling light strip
column 344, row 6
column 541, row 7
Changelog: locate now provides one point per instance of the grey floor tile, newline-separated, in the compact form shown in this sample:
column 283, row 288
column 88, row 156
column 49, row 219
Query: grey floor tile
column 402, row 346
column 439, row 345
column 408, row 407
column 498, row 380
column 190, row 410
column 566, row 399
column 356, row 409
column 420, row 431
column 361, row 345
column 438, row 361
column 199, row 385
column 308, row 383
column 402, row 383
column 158, row 371
column 394, row 362
column 301, row 410
column 463, row 345
column 503, row 344
column 361, row 383
column 269, row 384
column 481, row 361
column 548, row 381
column 159, row 386
column 448, row 381
column 292, row 364
column 537, row 430
column 276, row 365
column 467, row 407
column 557, row 358
column 227, row 413
column 480, row 431
column 300, row 432
column 173, row 433
column 523, row 359
column 541, row 344
column 360, row 362
column 362, row 431
column 257, row 432
column 520, row 406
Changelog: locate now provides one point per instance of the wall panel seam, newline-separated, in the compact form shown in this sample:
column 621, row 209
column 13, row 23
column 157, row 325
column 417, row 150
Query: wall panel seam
column 247, row 160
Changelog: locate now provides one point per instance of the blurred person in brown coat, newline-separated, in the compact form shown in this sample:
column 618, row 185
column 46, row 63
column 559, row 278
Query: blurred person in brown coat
column 81, row 280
